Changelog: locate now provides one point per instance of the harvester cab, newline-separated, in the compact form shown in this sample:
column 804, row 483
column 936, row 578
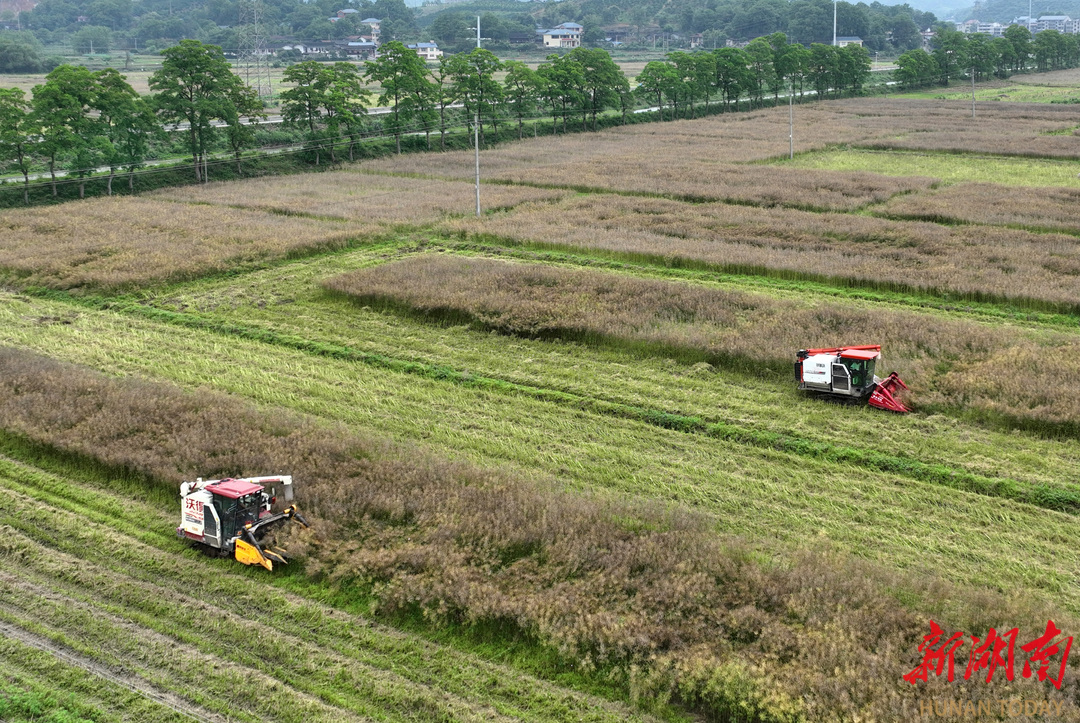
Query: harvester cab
column 232, row 516
column 848, row 371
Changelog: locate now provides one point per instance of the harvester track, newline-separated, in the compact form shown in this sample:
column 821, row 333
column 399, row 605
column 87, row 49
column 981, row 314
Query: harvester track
column 125, row 679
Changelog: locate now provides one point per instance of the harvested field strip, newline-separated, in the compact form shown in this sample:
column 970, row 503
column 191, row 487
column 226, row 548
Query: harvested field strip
column 1009, row 171
column 907, row 524
column 735, row 330
column 379, row 200
column 88, row 666
column 30, row 669
column 668, row 547
column 768, row 404
column 1061, row 496
column 109, row 571
column 979, row 263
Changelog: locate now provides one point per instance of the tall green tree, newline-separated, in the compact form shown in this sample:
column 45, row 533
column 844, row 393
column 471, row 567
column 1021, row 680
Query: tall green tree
column 916, row 68
column 16, row 129
column 1020, row 39
column 128, row 123
column 473, row 76
column 302, row 104
column 661, row 80
column 561, row 81
column 344, row 103
column 195, row 86
column 445, row 96
column 400, row 72
column 854, row 66
column 521, row 87
column 732, row 76
column 62, row 118
column 692, row 83
column 602, row 79
column 759, row 55
column 244, row 111
column 951, row 53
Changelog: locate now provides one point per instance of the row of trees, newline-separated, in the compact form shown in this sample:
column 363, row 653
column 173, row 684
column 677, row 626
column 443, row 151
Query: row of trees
column 93, row 119
column 582, row 83
column 957, row 54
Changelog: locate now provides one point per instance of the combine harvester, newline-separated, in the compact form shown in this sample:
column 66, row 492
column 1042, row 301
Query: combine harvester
column 848, row 371
column 231, row 517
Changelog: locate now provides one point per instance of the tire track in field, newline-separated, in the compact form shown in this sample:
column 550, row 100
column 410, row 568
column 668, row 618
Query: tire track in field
column 126, row 680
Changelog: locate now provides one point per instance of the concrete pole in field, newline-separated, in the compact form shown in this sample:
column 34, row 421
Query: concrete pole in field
column 476, row 132
column 834, row 22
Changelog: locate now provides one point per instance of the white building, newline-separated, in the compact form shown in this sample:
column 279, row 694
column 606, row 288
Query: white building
column 428, row 51
column 566, row 35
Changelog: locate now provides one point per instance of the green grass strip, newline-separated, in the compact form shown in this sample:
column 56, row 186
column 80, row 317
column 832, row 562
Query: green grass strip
column 1053, row 498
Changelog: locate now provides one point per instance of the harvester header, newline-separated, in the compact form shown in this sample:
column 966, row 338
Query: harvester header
column 848, row 371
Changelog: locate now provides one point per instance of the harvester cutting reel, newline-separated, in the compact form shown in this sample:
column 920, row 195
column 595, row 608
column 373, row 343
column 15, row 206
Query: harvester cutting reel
column 848, row 372
column 232, row 517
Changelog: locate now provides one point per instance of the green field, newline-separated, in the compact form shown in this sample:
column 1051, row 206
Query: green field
column 948, row 167
column 954, row 513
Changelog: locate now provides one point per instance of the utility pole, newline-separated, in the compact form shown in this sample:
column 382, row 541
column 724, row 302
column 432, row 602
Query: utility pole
column 476, row 132
column 834, row 22
column 791, row 118
column 973, row 91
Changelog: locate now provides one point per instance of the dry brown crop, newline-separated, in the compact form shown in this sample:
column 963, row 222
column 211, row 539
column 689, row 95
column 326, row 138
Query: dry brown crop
column 115, row 242
column 696, row 158
column 377, row 200
column 992, row 370
column 644, row 159
column 658, row 599
column 966, row 260
column 1053, row 208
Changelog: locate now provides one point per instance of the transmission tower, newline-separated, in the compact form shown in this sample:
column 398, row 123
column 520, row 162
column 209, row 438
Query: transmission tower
column 252, row 61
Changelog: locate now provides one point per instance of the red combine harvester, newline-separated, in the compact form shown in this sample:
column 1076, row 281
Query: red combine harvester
column 232, row 516
column 848, row 371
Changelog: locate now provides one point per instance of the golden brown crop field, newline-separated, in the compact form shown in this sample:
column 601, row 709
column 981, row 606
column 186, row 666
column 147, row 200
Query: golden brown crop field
column 975, row 260
column 113, row 242
column 987, row 203
column 378, row 200
column 555, row 462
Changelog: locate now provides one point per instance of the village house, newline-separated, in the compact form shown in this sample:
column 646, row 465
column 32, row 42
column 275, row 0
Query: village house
column 566, row 35
column 428, row 51
column 359, row 49
column 847, row 40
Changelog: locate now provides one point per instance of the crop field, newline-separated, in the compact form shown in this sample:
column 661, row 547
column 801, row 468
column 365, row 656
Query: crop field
column 553, row 457
column 1003, row 172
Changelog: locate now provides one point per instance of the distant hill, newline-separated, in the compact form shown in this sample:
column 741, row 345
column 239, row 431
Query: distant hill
column 1003, row 11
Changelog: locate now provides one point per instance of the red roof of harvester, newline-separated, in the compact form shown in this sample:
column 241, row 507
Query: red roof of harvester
column 859, row 354
column 868, row 352
column 233, row 488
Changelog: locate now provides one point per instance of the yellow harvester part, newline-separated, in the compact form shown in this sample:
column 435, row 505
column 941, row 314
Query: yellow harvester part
column 250, row 555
